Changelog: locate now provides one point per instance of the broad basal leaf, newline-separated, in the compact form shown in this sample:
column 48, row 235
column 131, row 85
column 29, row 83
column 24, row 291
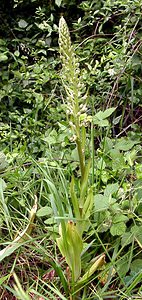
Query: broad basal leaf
column 71, row 246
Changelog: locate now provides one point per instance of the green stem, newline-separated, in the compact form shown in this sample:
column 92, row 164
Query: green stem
column 81, row 157
column 80, row 143
column 93, row 151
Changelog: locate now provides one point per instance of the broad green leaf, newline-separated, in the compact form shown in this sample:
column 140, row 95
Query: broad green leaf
column 44, row 211
column 125, row 144
column 118, row 229
column 125, row 204
column 22, row 23
column 123, row 265
column 127, row 238
column 71, row 246
column 137, row 231
column 136, row 265
column 117, row 159
column 115, row 207
column 76, row 246
column 3, row 57
column 101, row 202
column 105, row 176
column 101, row 123
column 50, row 221
column 108, row 112
column 120, row 218
column 130, row 157
column 111, row 189
column 101, row 164
column 51, row 139
column 134, row 234
column 17, row 53
column 101, row 115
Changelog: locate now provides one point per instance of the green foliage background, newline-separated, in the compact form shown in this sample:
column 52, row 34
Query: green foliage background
column 107, row 38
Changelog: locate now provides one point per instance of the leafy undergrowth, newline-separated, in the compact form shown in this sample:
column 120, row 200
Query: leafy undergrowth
column 115, row 227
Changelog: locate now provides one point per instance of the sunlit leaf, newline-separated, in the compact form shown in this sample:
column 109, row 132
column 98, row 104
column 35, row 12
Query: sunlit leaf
column 44, row 211
column 22, row 23
column 58, row 2
column 3, row 57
